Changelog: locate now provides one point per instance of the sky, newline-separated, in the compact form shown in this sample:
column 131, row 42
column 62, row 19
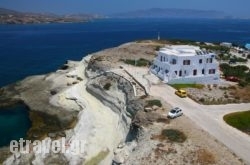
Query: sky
column 236, row 8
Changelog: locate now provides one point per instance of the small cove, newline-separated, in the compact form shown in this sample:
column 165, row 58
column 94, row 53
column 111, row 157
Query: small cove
column 14, row 123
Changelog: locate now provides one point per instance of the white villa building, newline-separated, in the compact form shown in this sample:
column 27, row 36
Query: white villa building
column 186, row 64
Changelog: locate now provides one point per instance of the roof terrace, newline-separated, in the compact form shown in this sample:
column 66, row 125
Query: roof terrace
column 183, row 50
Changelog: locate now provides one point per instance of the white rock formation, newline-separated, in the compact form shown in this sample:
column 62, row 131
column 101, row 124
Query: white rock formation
column 98, row 126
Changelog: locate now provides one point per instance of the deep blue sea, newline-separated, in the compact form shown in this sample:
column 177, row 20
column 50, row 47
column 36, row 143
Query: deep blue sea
column 37, row 49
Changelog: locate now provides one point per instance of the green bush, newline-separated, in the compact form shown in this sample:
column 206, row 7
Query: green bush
column 216, row 48
column 242, row 83
column 240, row 71
column 151, row 103
column 181, row 41
column 130, row 62
column 202, row 100
column 237, row 71
column 140, row 62
column 180, row 86
column 224, row 57
column 247, row 77
column 174, row 135
column 157, row 48
column 238, row 59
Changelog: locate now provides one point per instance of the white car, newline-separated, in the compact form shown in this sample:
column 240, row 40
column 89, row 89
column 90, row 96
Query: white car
column 175, row 112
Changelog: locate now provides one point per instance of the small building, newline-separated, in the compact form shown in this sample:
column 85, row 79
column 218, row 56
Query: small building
column 226, row 44
column 186, row 64
column 247, row 46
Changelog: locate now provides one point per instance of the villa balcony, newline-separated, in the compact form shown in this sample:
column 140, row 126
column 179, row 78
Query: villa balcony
column 159, row 61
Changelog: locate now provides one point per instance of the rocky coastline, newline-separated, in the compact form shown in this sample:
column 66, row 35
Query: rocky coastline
column 97, row 100
column 57, row 103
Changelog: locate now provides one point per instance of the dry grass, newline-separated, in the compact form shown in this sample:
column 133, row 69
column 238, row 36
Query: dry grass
column 163, row 120
column 5, row 153
column 98, row 158
column 242, row 93
column 220, row 95
column 205, row 157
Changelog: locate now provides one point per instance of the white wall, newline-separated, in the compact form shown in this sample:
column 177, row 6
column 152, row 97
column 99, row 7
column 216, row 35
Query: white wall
column 187, row 70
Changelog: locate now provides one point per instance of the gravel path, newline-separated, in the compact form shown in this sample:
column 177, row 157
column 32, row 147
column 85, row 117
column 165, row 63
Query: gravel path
column 210, row 118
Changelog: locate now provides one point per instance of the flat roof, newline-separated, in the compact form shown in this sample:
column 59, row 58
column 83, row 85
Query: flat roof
column 183, row 50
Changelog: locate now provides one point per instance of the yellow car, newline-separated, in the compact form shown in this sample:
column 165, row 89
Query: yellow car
column 181, row 93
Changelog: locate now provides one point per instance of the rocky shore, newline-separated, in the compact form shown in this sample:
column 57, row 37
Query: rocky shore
column 73, row 102
column 96, row 100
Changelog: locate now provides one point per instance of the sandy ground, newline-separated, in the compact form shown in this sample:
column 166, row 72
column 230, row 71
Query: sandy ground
column 199, row 148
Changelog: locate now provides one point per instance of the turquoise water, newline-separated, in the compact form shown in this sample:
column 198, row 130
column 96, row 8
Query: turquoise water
column 14, row 124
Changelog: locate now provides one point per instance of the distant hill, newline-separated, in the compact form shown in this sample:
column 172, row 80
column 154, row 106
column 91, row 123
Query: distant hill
column 170, row 13
column 15, row 17
column 7, row 11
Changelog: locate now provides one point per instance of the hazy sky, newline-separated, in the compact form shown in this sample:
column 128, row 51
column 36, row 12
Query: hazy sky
column 232, row 7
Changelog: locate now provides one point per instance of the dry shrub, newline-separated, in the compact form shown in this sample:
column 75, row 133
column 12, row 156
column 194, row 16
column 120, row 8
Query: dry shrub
column 163, row 120
column 232, row 87
column 242, row 93
column 171, row 135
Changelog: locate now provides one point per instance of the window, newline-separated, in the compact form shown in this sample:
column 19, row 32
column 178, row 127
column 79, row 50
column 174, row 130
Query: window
column 180, row 73
column 173, row 61
column 209, row 60
column 194, row 72
column 161, row 58
column 175, row 72
column 186, row 62
column 203, row 71
column 200, row 61
column 166, row 71
column 211, row 71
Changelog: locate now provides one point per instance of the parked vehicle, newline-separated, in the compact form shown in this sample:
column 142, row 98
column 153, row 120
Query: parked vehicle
column 175, row 112
column 232, row 78
column 181, row 93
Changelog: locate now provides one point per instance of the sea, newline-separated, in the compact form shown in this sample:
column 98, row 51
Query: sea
column 33, row 49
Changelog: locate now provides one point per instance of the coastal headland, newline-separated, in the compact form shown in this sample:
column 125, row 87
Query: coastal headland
column 106, row 100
